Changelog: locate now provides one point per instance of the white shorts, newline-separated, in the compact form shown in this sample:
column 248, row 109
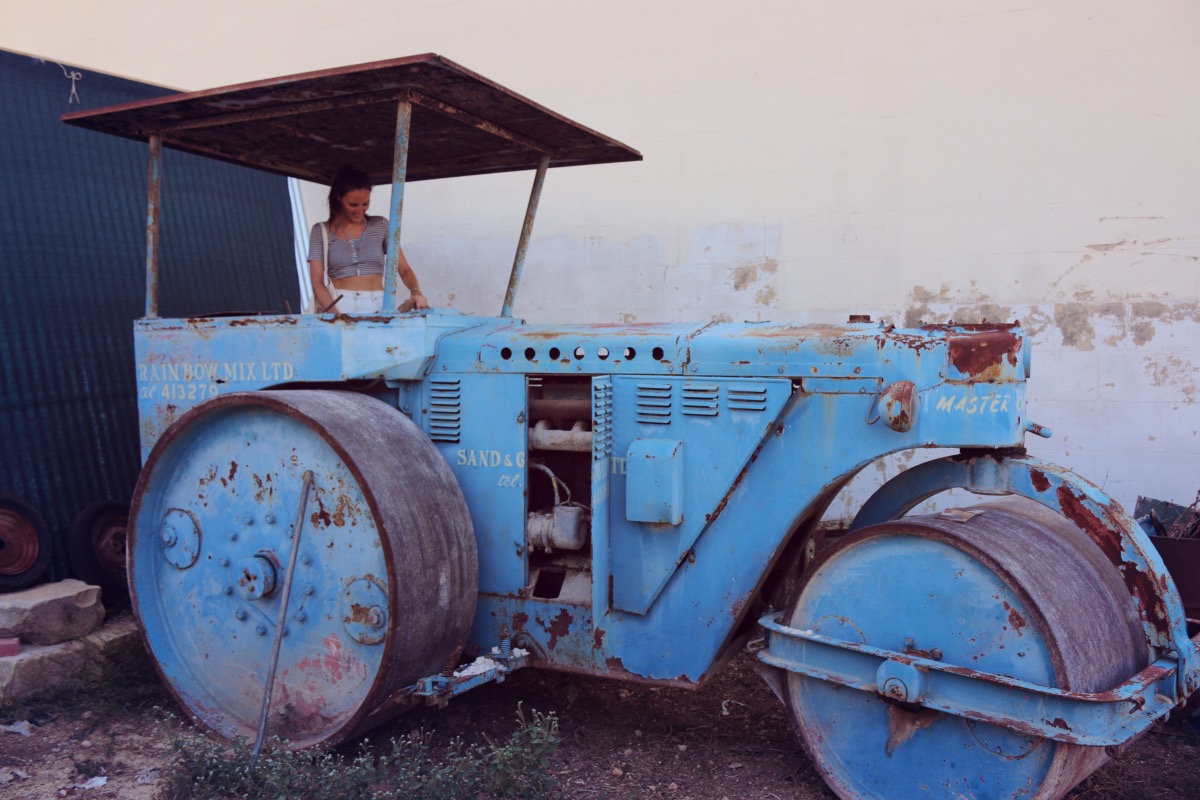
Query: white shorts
column 353, row 302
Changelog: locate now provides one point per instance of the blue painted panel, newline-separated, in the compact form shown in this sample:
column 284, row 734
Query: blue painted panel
column 601, row 491
column 720, row 422
column 489, row 461
column 654, row 481
column 181, row 363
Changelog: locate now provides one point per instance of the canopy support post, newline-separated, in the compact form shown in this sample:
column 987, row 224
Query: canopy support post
column 399, row 171
column 153, row 195
column 510, row 295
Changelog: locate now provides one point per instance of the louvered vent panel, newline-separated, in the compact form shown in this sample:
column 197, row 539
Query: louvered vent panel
column 654, row 403
column 700, row 400
column 746, row 397
column 445, row 410
column 601, row 418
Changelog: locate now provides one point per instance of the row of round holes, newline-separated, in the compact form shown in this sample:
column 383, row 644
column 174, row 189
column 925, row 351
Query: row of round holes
column 602, row 353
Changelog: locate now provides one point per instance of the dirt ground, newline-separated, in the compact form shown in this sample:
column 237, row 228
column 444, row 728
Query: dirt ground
column 729, row 740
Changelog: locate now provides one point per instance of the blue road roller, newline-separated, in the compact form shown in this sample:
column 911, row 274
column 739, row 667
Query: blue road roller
column 341, row 516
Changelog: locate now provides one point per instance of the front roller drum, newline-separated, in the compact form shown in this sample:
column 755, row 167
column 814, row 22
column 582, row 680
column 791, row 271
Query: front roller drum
column 385, row 578
column 1008, row 588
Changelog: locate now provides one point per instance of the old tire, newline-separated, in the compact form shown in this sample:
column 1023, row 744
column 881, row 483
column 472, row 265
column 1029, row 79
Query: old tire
column 24, row 543
column 386, row 575
column 1009, row 588
column 96, row 547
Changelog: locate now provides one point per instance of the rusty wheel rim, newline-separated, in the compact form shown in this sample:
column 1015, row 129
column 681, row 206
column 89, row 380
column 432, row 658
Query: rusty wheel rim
column 108, row 542
column 19, row 545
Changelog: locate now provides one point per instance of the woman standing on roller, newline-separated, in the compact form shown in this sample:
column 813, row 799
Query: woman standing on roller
column 356, row 244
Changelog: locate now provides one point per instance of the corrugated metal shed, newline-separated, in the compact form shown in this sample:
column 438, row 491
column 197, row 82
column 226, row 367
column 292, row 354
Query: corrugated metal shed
column 72, row 259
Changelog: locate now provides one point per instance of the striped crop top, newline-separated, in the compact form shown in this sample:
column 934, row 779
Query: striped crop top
column 364, row 255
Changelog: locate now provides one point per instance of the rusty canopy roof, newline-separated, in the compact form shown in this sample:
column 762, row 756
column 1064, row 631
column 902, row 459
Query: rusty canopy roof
column 307, row 125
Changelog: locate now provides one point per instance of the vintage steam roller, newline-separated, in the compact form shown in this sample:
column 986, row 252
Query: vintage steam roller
column 341, row 516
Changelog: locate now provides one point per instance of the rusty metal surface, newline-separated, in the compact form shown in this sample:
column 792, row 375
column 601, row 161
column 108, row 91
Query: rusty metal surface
column 18, row 542
column 403, row 138
column 386, row 566
column 965, row 608
column 535, row 195
column 1119, row 538
column 153, row 213
column 467, row 124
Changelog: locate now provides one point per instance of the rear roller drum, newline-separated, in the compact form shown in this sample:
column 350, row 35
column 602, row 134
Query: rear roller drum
column 1009, row 588
column 385, row 578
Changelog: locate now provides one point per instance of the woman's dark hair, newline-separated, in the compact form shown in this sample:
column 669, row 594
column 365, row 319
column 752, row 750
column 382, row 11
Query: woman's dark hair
column 347, row 180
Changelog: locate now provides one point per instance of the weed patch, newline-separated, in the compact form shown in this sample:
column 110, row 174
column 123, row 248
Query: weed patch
column 204, row 768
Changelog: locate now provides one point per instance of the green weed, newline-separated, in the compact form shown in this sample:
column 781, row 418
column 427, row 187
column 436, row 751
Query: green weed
column 203, row 768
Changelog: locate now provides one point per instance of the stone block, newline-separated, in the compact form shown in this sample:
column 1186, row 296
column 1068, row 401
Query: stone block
column 51, row 613
column 46, row 669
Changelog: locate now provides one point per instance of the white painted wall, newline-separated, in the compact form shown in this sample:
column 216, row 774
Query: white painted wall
column 923, row 160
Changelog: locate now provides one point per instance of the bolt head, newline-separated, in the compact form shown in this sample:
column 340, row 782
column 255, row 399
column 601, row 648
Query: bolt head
column 240, row 613
column 261, row 630
column 269, row 519
column 169, row 535
column 375, row 617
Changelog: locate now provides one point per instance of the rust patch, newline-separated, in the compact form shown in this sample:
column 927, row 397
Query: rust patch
column 716, row 512
column 519, row 621
column 232, row 469
column 339, row 512
column 983, row 355
column 1105, row 533
column 1059, row 722
column 1015, row 619
column 265, row 487
column 560, row 626
column 1040, row 482
column 358, row 614
column 268, row 322
column 617, row 666
column 598, row 639
column 321, row 515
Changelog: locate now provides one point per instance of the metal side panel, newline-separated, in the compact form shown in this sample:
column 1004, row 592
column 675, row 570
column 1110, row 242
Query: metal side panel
column 719, row 423
column 488, row 458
